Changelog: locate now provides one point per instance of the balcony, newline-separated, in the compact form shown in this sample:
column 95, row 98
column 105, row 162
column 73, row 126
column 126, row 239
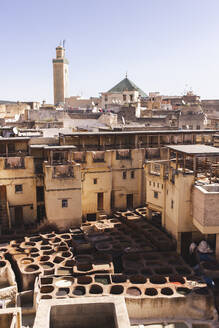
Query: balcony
column 206, row 208
column 14, row 163
column 123, row 154
column 63, row 171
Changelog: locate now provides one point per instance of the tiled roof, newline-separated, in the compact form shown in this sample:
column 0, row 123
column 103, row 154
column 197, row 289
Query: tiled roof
column 127, row 85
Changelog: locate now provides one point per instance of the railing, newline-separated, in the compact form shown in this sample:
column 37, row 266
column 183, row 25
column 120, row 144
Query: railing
column 63, row 171
column 14, row 163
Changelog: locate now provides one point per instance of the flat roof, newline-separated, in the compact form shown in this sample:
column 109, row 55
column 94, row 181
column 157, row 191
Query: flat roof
column 59, row 147
column 14, row 138
column 75, row 134
column 195, row 150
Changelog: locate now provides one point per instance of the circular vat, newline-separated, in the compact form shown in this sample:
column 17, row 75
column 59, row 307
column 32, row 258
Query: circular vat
column 66, row 254
column 103, row 246
column 46, row 265
column 151, row 292
column 46, row 289
column 150, row 257
column 183, row 270
column 79, row 291
column 2, row 264
column 35, row 238
column 46, row 297
column 130, row 272
column 146, row 272
column 35, row 254
column 133, row 291
column 62, row 291
column 33, row 250
column 65, row 282
column 83, row 258
column 46, row 281
column 45, row 248
column 119, row 278
column 84, row 280
column 69, row 263
column 163, row 270
column 65, row 236
column 166, row 291
column 183, row 290
column 176, row 279
column 44, row 258
column 56, row 240
column 138, row 279
column 32, row 268
column 116, row 290
column 95, row 289
column 84, row 266
column 50, row 235
column 157, row 280
column 27, row 260
column 58, row 259
column 29, row 243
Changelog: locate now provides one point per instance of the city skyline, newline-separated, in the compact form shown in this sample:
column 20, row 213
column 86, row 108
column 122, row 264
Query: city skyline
column 164, row 46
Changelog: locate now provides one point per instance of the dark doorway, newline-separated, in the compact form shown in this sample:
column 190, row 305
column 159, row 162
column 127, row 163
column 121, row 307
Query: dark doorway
column 186, row 240
column 40, row 194
column 100, row 201
column 129, row 201
column 40, row 212
column 3, row 195
column 18, row 216
column 91, row 217
column 112, row 200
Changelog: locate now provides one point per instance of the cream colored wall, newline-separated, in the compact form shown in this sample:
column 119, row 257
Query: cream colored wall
column 179, row 218
column 102, row 172
column 26, row 198
column 206, row 209
column 121, row 187
column 117, row 98
column 8, row 111
column 57, row 189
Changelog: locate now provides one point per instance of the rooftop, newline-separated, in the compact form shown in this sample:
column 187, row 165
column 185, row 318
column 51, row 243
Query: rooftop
column 195, row 150
column 127, row 85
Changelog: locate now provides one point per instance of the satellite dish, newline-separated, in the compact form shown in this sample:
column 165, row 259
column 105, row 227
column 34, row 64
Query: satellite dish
column 15, row 130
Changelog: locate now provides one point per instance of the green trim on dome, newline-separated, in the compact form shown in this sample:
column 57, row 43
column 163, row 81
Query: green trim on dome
column 127, row 85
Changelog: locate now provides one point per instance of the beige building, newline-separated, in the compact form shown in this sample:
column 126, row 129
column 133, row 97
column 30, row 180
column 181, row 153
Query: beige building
column 184, row 189
column 90, row 174
column 123, row 93
column 60, row 76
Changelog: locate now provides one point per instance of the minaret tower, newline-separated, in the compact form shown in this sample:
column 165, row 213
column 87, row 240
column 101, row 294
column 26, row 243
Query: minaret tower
column 60, row 75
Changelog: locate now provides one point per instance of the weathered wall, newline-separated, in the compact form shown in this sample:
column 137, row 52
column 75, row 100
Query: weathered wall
column 63, row 188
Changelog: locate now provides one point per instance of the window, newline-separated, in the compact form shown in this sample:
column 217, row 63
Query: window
column 198, row 127
column 155, row 194
column 131, row 97
column 106, row 98
column 162, row 186
column 149, row 183
column 124, row 175
column 158, row 185
column 124, row 97
column 132, row 174
column 190, row 127
column 172, row 203
column 19, row 188
column 95, row 181
column 154, row 184
column 64, row 203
